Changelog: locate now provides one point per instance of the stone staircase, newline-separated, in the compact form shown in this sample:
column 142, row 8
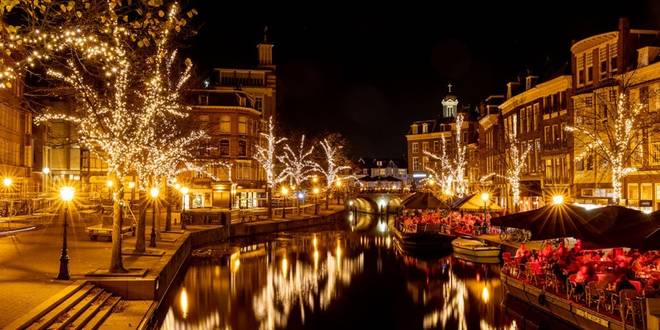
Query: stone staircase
column 80, row 306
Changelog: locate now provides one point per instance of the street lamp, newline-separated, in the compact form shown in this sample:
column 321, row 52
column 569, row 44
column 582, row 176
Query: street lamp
column 557, row 200
column 284, row 191
column 184, row 193
column 66, row 195
column 46, row 172
column 316, row 191
column 109, row 184
column 485, row 197
column 7, row 182
column 154, row 195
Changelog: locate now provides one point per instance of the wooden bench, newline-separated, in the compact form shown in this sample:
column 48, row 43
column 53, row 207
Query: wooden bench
column 104, row 229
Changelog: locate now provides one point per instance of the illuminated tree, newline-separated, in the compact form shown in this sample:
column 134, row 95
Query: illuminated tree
column 515, row 160
column 332, row 158
column 611, row 134
column 451, row 175
column 120, row 106
column 266, row 156
column 297, row 165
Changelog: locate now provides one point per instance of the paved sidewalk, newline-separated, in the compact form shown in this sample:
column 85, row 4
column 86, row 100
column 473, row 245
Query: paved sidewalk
column 29, row 261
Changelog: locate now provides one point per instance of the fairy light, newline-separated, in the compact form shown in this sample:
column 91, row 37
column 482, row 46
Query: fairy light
column 297, row 166
column 451, row 174
column 614, row 138
column 331, row 170
column 266, row 157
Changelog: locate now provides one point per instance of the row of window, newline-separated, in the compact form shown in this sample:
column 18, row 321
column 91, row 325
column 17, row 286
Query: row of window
column 530, row 116
column 437, row 145
column 222, row 149
column 607, row 63
column 244, row 125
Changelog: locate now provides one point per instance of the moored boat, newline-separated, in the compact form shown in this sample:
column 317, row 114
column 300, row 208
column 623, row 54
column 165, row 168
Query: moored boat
column 475, row 248
column 423, row 240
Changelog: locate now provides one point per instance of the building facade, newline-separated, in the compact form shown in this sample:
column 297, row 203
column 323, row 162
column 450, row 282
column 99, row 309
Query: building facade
column 233, row 108
column 604, row 65
column 427, row 135
column 534, row 119
column 16, row 145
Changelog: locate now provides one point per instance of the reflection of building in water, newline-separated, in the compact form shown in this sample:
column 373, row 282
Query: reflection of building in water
column 451, row 288
column 302, row 284
column 296, row 276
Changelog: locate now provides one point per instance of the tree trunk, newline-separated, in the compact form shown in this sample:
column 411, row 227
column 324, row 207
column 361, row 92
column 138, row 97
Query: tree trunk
column 168, row 208
column 140, row 241
column 327, row 200
column 270, row 202
column 116, row 264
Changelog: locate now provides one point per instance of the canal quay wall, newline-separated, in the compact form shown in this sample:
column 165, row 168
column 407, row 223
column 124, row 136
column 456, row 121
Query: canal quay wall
column 155, row 285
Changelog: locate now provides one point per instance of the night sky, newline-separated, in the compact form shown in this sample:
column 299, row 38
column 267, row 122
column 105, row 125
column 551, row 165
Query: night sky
column 368, row 70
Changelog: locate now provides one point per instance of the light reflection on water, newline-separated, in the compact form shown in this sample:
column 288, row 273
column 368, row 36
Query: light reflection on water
column 329, row 279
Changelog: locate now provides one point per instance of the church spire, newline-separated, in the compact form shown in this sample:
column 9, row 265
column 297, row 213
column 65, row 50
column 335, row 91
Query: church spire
column 265, row 51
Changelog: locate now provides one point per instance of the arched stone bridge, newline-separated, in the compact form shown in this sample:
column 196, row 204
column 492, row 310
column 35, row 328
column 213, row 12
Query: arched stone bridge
column 371, row 202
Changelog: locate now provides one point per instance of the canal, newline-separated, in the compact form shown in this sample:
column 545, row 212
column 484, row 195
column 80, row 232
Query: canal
column 349, row 275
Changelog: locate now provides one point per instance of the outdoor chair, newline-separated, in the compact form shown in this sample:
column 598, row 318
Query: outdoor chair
column 632, row 306
column 571, row 289
column 551, row 281
column 594, row 295
column 534, row 272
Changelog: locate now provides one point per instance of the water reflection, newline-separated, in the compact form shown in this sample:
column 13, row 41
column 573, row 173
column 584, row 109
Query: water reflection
column 330, row 279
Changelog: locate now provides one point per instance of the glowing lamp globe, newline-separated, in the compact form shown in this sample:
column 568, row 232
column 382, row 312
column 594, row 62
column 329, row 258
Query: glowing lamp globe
column 109, row 183
column 184, row 190
column 7, row 181
column 45, row 170
column 557, row 199
column 316, row 191
column 301, row 195
column 284, row 191
column 131, row 185
column 66, row 193
column 154, row 192
column 485, row 197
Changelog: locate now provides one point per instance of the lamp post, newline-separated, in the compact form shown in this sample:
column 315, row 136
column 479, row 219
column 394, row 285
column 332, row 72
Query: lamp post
column 184, row 193
column 109, row 184
column 66, row 195
column 485, row 197
column 46, row 173
column 316, row 191
column 285, row 191
column 154, row 195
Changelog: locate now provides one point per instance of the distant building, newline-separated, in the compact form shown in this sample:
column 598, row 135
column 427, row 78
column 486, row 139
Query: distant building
column 492, row 149
column 426, row 135
column 383, row 174
column 233, row 107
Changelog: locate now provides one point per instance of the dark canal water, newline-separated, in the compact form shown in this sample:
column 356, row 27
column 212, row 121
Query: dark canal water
column 347, row 276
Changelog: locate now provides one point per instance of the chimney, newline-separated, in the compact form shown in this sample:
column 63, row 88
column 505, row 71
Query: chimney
column 511, row 89
column 624, row 45
column 530, row 82
column 647, row 55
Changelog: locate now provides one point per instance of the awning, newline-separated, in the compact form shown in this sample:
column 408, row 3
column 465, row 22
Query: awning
column 473, row 202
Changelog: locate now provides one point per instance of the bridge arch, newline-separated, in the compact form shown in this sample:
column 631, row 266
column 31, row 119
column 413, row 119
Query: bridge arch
column 372, row 202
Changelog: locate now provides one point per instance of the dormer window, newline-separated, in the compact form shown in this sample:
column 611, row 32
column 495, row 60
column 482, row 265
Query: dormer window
column 425, row 128
column 414, row 129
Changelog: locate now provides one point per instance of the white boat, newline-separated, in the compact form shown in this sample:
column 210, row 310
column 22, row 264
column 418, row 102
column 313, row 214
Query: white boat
column 474, row 247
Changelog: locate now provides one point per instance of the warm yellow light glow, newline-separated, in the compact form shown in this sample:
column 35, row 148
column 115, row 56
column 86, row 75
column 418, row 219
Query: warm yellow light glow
column 237, row 264
column 485, row 294
column 131, row 185
column 7, row 181
column 315, row 179
column 284, row 190
column 431, row 182
column 285, row 265
column 154, row 192
column 109, row 183
column 338, row 183
column 45, row 170
column 315, row 242
column 485, row 196
column 557, row 199
column 177, row 186
column 316, row 191
column 66, row 193
column 350, row 203
column 183, row 302
column 184, row 190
